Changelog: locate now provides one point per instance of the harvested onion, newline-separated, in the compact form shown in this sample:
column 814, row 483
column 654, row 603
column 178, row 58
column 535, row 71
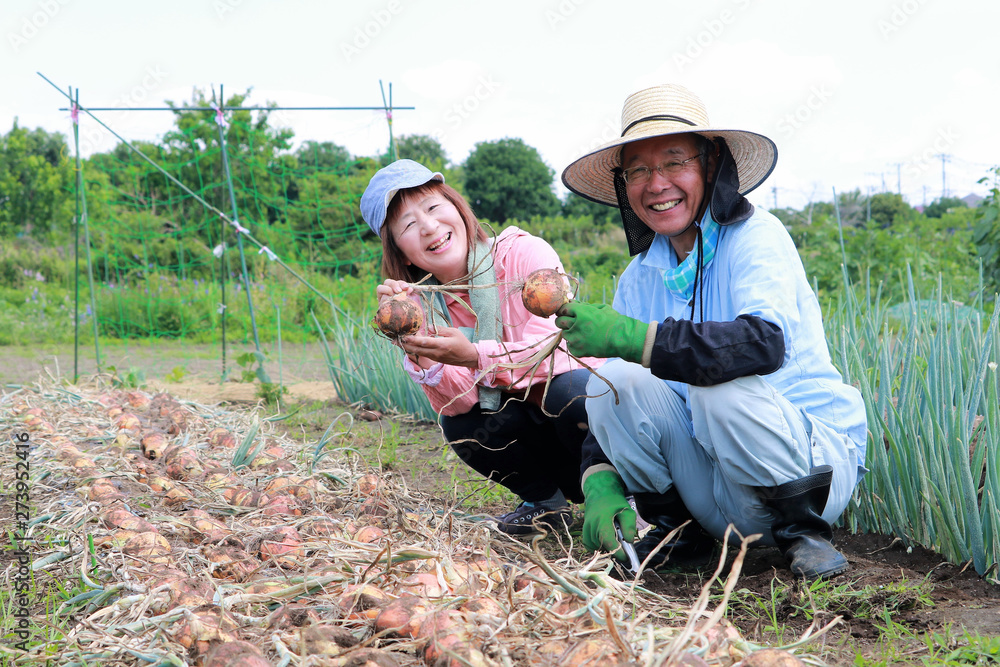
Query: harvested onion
column 233, row 653
column 545, row 291
column 771, row 657
column 403, row 616
column 399, row 316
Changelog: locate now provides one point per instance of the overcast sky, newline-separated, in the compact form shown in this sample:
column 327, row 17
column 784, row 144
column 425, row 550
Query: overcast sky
column 856, row 94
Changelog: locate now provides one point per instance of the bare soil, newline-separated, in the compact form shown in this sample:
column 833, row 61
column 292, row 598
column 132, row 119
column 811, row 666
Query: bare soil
column 914, row 588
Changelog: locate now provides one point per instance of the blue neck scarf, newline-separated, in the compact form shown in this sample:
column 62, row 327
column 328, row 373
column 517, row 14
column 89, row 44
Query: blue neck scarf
column 681, row 279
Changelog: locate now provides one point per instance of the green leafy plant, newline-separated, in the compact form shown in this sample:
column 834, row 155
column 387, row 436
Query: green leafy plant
column 175, row 375
column 252, row 370
column 388, row 443
column 134, row 378
column 271, row 392
column 249, row 373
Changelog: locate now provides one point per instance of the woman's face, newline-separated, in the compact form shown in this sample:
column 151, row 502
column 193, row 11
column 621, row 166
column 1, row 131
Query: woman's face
column 431, row 234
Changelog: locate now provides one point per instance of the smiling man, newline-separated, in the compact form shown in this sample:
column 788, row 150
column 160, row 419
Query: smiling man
column 729, row 410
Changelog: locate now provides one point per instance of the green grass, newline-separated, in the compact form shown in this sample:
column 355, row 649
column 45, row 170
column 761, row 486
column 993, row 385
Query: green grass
column 790, row 607
column 965, row 649
column 162, row 306
column 47, row 595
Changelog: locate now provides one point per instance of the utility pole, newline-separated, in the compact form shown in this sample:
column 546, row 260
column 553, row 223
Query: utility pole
column 899, row 179
column 925, row 196
column 944, row 160
column 880, row 174
column 774, row 192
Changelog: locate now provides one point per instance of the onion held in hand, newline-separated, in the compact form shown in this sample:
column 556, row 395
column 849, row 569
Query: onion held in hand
column 545, row 291
column 399, row 316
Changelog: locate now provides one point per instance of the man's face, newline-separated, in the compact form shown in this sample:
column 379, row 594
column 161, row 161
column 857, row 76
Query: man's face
column 669, row 200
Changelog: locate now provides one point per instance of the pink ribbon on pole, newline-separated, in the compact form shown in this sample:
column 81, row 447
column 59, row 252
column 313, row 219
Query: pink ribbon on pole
column 74, row 113
column 237, row 226
column 220, row 120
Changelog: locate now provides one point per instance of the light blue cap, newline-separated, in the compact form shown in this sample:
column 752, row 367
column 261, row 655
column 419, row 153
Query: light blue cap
column 384, row 185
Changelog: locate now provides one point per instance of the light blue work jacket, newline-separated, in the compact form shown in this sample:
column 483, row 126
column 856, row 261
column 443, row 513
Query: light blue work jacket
column 756, row 271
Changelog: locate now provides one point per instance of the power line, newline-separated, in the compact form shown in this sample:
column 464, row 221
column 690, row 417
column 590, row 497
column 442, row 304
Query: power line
column 944, row 160
column 899, row 180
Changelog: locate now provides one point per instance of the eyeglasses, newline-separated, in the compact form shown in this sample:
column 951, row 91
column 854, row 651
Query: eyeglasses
column 638, row 175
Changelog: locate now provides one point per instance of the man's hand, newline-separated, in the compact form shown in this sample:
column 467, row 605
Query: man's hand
column 601, row 331
column 604, row 496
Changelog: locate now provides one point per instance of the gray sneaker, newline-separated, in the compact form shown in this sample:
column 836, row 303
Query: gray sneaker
column 526, row 520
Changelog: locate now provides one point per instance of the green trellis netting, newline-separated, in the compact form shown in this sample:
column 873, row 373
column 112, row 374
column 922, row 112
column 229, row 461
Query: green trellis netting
column 165, row 265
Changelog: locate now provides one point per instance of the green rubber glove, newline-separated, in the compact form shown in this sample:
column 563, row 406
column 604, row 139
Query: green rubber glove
column 601, row 331
column 604, row 499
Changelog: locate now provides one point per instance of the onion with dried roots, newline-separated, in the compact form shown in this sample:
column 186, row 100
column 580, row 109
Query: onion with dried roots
column 545, row 291
column 399, row 316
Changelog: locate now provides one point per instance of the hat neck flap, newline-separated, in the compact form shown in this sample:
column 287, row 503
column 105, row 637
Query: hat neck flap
column 638, row 235
column 727, row 204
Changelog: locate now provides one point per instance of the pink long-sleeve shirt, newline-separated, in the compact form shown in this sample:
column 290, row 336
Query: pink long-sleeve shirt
column 452, row 389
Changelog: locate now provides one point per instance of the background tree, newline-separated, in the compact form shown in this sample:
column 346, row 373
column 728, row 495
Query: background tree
column 422, row 148
column 940, row 206
column 36, row 181
column 575, row 205
column 255, row 147
column 323, row 155
column 986, row 233
column 508, row 179
column 853, row 208
column 887, row 208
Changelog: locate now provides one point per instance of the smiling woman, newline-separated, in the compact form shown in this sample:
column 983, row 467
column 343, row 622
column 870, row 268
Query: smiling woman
column 430, row 232
column 430, row 227
column 523, row 431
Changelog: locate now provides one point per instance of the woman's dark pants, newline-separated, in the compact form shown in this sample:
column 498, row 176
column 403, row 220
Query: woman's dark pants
column 520, row 447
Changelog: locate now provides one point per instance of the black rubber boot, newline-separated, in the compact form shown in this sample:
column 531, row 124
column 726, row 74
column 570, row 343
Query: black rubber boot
column 799, row 531
column 691, row 549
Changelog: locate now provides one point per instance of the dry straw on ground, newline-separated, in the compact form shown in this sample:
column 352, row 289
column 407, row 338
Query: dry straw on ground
column 179, row 556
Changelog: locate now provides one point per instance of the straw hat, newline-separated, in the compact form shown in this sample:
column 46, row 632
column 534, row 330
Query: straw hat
column 659, row 111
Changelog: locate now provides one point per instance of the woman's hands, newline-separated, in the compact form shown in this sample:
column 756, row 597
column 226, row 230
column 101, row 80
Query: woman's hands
column 391, row 288
column 449, row 346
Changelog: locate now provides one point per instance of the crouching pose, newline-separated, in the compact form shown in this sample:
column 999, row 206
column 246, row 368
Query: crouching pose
column 730, row 410
column 492, row 417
